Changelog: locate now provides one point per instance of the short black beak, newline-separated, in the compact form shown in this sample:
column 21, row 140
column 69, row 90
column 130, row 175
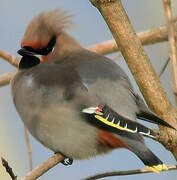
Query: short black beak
column 25, row 52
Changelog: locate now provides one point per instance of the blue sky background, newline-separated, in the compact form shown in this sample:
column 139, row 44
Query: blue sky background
column 90, row 29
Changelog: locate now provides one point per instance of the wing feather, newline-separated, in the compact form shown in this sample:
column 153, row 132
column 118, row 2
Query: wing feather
column 109, row 119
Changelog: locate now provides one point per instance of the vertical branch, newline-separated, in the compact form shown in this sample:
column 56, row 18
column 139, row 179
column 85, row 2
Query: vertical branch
column 29, row 149
column 141, row 68
column 172, row 45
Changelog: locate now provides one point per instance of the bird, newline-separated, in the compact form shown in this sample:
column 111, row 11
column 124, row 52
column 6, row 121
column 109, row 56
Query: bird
column 76, row 102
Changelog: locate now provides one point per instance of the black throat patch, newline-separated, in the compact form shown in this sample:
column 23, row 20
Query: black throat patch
column 28, row 62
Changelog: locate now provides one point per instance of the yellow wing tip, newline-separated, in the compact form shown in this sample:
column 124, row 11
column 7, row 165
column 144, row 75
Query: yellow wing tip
column 158, row 168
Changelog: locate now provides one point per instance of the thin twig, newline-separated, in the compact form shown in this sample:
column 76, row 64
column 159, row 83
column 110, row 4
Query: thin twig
column 125, row 173
column 29, row 149
column 148, row 37
column 172, row 46
column 44, row 167
column 164, row 67
column 11, row 59
column 8, row 169
column 175, row 19
column 5, row 78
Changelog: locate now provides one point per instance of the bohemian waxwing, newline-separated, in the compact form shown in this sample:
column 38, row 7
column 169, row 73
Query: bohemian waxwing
column 77, row 102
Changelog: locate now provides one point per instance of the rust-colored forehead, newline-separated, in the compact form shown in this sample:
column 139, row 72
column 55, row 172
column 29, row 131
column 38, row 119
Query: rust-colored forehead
column 34, row 44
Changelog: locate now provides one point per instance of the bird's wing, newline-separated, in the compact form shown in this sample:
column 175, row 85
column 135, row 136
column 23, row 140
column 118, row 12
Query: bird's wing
column 128, row 134
column 106, row 79
column 110, row 120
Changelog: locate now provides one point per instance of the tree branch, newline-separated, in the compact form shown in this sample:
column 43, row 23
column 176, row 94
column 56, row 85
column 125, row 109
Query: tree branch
column 5, row 78
column 172, row 45
column 141, row 68
column 148, row 37
column 44, row 167
column 8, row 169
column 125, row 173
column 11, row 59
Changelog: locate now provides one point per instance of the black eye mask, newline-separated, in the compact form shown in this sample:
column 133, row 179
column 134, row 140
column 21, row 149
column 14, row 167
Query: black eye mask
column 44, row 51
column 29, row 59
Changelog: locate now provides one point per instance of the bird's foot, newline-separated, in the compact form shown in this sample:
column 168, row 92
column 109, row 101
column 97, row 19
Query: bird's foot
column 67, row 161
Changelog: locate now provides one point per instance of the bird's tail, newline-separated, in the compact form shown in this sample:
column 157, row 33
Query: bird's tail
column 147, row 157
column 151, row 161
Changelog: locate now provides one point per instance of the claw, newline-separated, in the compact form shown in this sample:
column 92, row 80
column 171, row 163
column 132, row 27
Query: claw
column 67, row 161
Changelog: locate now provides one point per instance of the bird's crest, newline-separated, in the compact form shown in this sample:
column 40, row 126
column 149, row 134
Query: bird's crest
column 55, row 20
column 47, row 23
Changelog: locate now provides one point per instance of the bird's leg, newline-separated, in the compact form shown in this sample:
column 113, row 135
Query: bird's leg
column 67, row 161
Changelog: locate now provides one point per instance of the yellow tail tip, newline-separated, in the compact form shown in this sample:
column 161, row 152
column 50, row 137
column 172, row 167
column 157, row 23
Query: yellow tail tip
column 158, row 168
